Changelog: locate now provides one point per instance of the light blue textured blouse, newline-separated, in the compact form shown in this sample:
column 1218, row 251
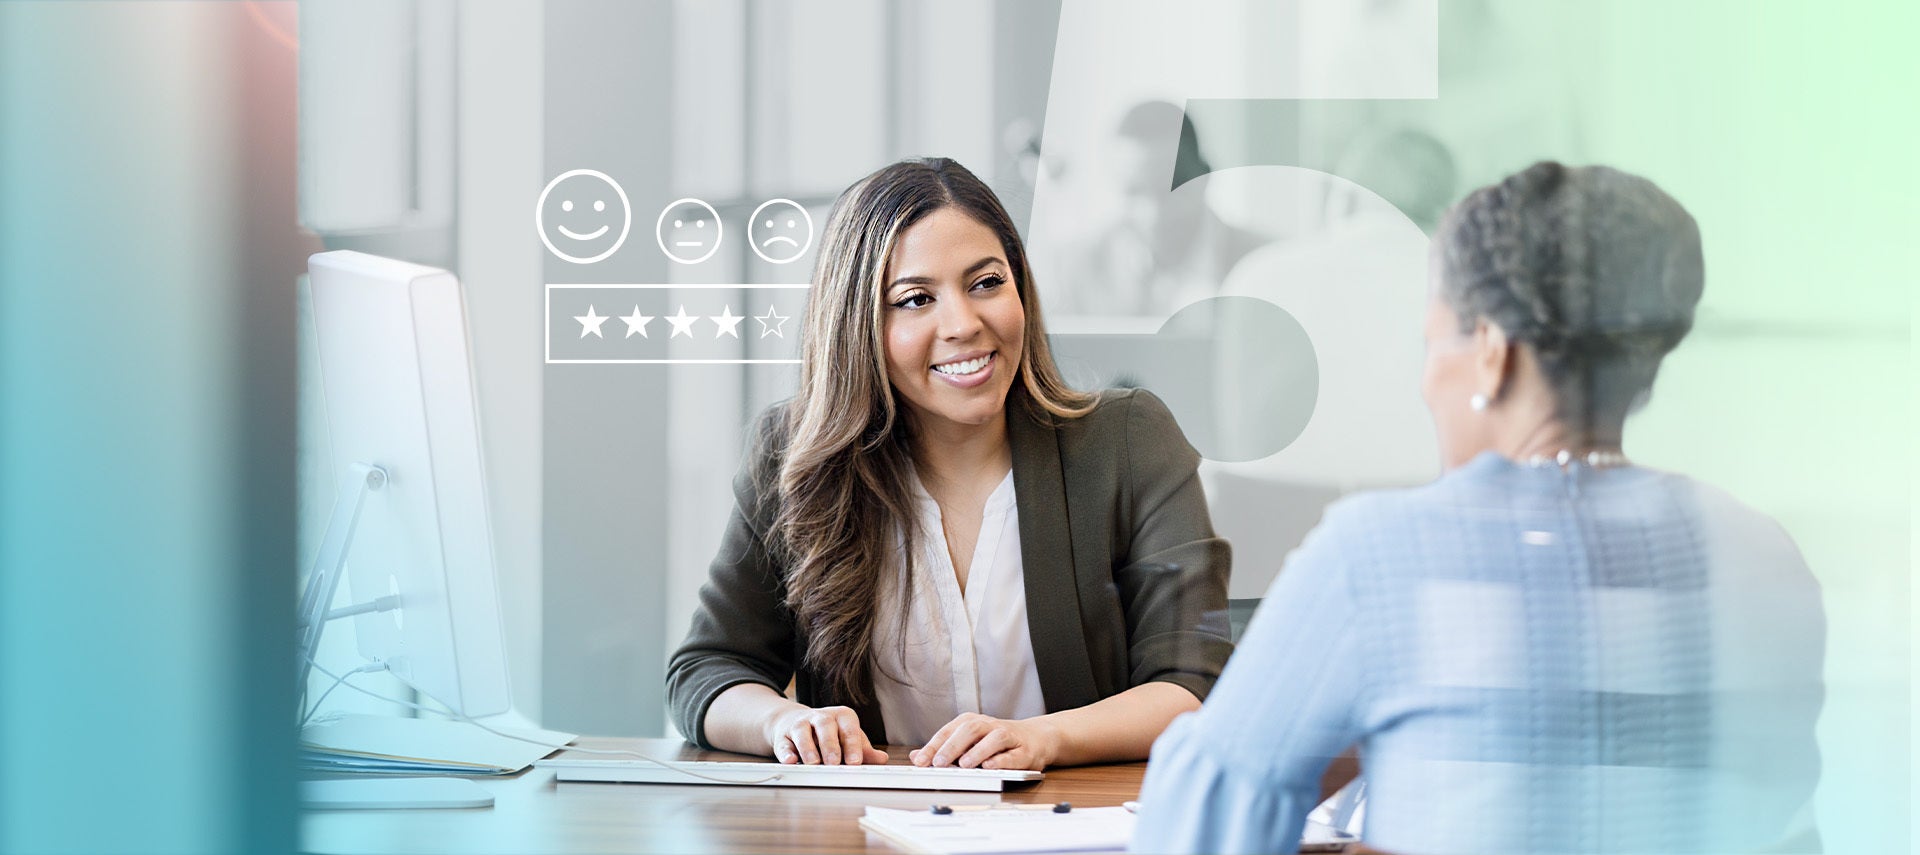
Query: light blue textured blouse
column 1529, row 659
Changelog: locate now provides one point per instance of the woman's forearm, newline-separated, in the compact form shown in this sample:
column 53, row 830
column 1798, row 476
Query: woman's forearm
column 739, row 717
column 1120, row 728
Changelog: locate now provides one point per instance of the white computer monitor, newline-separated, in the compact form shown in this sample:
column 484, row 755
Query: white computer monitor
column 418, row 550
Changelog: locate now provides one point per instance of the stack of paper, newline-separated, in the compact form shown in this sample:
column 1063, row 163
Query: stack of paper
column 414, row 746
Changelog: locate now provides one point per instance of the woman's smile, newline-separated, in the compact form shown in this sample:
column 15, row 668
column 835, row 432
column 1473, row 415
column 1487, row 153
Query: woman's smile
column 954, row 324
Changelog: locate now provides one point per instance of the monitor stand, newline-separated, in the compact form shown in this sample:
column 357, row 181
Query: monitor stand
column 393, row 794
column 330, row 565
column 407, row 793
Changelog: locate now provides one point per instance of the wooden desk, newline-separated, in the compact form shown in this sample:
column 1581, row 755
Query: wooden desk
column 534, row 813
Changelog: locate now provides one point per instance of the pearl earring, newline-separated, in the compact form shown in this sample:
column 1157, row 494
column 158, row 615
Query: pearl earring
column 1478, row 402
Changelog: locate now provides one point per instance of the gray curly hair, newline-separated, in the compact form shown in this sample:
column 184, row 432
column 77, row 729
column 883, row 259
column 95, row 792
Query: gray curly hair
column 1595, row 270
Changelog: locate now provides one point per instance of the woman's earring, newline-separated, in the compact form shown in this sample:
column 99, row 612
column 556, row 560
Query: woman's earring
column 1478, row 402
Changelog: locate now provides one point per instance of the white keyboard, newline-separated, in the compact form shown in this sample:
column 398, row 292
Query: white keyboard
column 783, row 775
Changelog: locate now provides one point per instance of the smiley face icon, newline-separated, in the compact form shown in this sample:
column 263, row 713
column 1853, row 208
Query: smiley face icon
column 688, row 231
column 780, row 230
column 582, row 216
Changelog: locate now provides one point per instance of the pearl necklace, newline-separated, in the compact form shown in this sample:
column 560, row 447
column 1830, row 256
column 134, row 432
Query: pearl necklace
column 1566, row 457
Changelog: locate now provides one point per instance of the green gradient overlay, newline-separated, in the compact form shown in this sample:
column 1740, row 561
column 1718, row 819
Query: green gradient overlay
column 1788, row 130
column 1782, row 128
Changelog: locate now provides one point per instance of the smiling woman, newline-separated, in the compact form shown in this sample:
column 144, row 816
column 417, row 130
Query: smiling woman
column 902, row 548
column 949, row 324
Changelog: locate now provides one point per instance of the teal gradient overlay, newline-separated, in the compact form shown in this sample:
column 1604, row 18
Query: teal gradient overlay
column 1777, row 126
column 145, row 433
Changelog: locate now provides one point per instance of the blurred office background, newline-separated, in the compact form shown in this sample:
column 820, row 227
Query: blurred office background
column 149, row 160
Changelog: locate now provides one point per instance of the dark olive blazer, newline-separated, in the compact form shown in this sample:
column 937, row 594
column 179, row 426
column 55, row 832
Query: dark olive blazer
column 1126, row 582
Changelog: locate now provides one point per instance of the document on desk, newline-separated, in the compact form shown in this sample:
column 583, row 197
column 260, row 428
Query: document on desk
column 386, row 744
column 981, row 832
column 986, row 832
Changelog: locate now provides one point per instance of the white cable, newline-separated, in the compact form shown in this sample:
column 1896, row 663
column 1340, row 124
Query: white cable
column 364, row 669
column 463, row 717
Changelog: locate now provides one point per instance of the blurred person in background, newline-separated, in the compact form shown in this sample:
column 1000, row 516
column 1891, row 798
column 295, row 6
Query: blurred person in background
column 1160, row 249
column 1549, row 648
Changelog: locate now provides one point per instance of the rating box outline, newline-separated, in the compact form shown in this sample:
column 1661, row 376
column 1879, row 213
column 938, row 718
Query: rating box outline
column 546, row 335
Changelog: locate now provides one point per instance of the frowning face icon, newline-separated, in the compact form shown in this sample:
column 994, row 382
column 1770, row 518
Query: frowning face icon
column 780, row 230
column 582, row 216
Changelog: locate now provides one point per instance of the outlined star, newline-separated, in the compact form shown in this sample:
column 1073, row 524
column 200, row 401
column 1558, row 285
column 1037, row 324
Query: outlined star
column 590, row 322
column 682, row 323
column 777, row 321
column 637, row 323
column 728, row 321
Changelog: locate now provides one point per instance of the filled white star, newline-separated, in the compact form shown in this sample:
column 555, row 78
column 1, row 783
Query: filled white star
column 729, row 323
column 637, row 323
column 682, row 323
column 590, row 322
column 771, row 322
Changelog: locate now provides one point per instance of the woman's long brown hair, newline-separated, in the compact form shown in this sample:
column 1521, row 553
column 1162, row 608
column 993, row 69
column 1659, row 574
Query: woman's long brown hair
column 843, row 482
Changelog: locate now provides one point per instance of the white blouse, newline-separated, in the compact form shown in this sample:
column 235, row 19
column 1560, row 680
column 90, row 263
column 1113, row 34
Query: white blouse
column 963, row 653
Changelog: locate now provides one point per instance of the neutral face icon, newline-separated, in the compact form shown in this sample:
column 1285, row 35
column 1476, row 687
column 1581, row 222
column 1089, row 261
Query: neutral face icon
column 582, row 216
column 688, row 231
column 780, row 230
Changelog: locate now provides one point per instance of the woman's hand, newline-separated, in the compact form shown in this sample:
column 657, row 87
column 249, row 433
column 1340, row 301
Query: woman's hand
column 828, row 736
column 976, row 741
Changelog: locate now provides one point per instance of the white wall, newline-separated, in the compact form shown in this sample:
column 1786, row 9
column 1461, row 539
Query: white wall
column 501, row 75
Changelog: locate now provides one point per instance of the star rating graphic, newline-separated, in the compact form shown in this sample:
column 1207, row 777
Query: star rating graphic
column 685, row 310
column 728, row 323
column 682, row 323
column 590, row 322
column 636, row 322
column 771, row 322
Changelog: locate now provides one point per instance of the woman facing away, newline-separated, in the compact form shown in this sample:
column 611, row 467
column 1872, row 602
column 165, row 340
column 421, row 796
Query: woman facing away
column 940, row 543
column 1549, row 648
